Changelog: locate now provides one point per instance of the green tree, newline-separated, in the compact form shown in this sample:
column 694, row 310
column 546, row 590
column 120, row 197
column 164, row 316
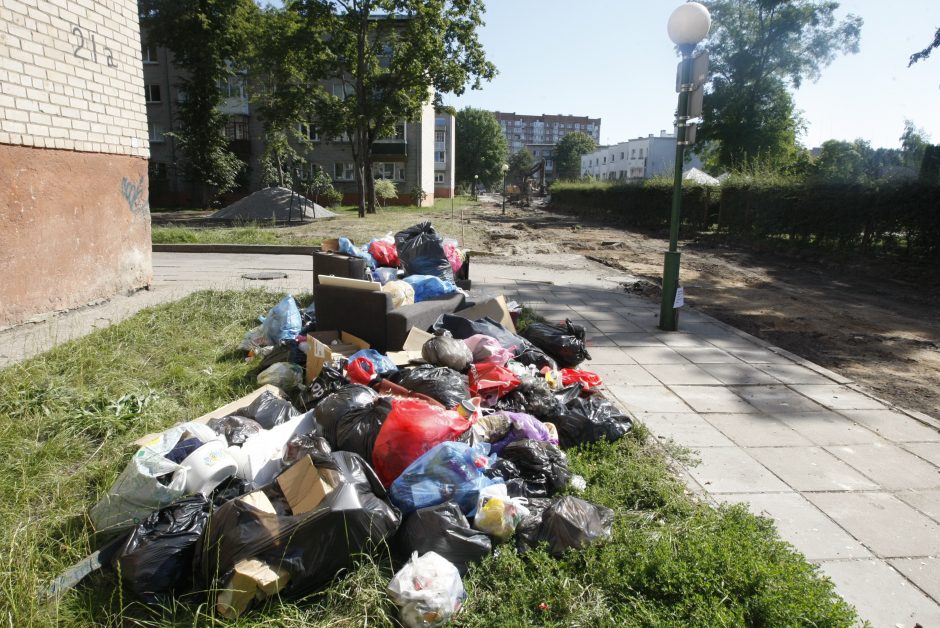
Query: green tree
column 568, row 154
column 840, row 161
column 759, row 49
column 520, row 164
column 480, row 147
column 930, row 166
column 913, row 143
column 923, row 54
column 391, row 58
column 385, row 190
column 207, row 38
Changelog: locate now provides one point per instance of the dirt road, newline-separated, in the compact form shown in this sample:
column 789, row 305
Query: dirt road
column 876, row 323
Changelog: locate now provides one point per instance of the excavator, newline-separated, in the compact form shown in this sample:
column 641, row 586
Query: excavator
column 533, row 183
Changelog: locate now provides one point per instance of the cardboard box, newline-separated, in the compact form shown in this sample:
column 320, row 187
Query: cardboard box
column 322, row 350
column 302, row 486
column 330, row 245
column 494, row 308
column 251, row 579
column 411, row 351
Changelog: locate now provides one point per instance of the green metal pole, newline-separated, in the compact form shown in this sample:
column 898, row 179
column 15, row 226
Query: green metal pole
column 668, row 314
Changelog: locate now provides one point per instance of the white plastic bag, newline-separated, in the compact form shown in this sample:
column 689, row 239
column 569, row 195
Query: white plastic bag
column 137, row 491
column 402, row 293
column 497, row 514
column 428, row 590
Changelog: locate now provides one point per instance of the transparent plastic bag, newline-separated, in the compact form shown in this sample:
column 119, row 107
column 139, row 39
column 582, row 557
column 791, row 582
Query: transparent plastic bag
column 428, row 590
column 284, row 375
column 282, row 322
column 497, row 513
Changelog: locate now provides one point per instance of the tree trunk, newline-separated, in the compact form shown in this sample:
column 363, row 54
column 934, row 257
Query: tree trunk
column 370, row 182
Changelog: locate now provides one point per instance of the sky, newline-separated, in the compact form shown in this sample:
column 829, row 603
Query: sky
column 612, row 59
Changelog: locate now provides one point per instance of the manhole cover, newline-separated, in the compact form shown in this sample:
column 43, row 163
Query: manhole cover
column 266, row 275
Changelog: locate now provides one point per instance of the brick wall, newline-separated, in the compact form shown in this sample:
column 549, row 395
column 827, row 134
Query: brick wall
column 71, row 76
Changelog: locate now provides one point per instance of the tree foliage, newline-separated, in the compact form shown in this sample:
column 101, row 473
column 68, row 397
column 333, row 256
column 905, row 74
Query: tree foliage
column 480, row 147
column 206, row 37
column 520, row 164
column 913, row 143
column 759, row 49
column 923, row 54
column 385, row 190
column 391, row 59
column 568, row 154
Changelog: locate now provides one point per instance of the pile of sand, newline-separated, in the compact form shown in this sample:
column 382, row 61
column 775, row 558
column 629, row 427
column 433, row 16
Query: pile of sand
column 273, row 203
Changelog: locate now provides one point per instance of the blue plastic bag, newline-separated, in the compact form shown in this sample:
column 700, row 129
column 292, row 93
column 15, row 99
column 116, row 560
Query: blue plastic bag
column 283, row 322
column 346, row 246
column 427, row 287
column 383, row 364
column 448, row 471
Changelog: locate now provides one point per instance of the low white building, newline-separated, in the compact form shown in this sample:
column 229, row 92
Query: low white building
column 634, row 160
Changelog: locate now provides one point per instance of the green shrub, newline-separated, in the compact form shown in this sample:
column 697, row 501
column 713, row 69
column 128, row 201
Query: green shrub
column 332, row 197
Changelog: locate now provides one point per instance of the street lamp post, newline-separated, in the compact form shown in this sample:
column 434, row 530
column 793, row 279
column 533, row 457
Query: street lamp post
column 688, row 25
column 476, row 179
column 505, row 169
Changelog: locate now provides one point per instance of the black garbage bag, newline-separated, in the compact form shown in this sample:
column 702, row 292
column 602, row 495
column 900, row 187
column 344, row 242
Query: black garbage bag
column 269, row 410
column 537, row 358
column 438, row 382
column 301, row 445
column 312, row 547
column 352, row 417
column 590, row 419
column 285, row 351
column 421, row 251
column 540, row 464
column 462, row 328
column 236, row 429
column 565, row 342
column 445, row 350
column 157, row 557
column 327, row 382
column 532, row 396
column 445, row 530
column 229, row 489
column 568, row 523
column 502, row 469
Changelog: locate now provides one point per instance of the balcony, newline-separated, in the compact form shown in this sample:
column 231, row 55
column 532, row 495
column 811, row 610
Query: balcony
column 390, row 149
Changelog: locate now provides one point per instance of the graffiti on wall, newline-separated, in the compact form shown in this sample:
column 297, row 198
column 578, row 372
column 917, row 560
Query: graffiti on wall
column 134, row 195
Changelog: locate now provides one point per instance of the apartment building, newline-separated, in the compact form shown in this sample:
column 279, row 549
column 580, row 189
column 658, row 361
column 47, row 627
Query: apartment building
column 411, row 157
column 539, row 134
column 635, row 160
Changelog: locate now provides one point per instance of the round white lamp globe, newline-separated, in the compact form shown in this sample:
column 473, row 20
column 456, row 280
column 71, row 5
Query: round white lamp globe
column 689, row 24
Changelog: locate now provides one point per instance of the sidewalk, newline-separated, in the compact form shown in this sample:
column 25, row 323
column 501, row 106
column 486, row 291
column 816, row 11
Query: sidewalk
column 850, row 481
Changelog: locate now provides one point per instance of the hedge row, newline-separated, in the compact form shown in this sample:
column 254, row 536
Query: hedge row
column 846, row 216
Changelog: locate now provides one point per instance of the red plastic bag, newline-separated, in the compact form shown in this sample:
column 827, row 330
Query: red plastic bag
column 412, row 428
column 587, row 379
column 361, row 371
column 385, row 253
column 491, row 381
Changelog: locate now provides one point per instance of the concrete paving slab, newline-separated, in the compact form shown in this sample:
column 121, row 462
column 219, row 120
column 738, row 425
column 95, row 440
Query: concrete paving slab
column 793, row 374
column 635, row 339
column 756, row 430
column 881, row 595
column 618, row 325
column 713, row 399
column 889, row 465
column 928, row 451
column 737, row 373
column 838, row 397
column 803, row 525
column 758, row 356
column 643, row 399
column 681, row 374
column 709, row 354
column 732, row 470
column 884, row 524
column 685, row 428
column 895, row 426
column 925, row 500
column 680, row 340
column 623, row 375
column 654, row 355
column 777, row 399
column 811, row 469
column 924, row 572
column 607, row 356
column 827, row 428
column 599, row 340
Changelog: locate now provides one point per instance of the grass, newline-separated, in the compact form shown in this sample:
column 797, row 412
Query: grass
column 67, row 417
column 347, row 223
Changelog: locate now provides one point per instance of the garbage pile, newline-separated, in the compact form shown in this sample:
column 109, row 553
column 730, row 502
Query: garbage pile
column 440, row 455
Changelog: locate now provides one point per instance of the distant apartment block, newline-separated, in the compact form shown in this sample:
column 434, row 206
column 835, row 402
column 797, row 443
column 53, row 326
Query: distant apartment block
column 635, row 160
column 418, row 154
column 540, row 134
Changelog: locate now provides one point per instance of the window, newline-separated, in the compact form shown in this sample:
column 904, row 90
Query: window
column 438, row 177
column 149, row 53
column 398, row 134
column 633, row 154
column 439, row 157
column 156, row 170
column 343, row 171
column 181, row 94
column 308, row 131
column 439, row 136
column 389, row 170
column 152, row 93
column 155, row 131
column 339, row 90
column 232, row 86
column 641, row 153
column 621, row 155
column 236, row 128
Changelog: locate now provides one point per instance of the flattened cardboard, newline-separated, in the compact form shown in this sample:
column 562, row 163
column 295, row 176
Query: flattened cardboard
column 346, row 282
column 416, row 339
column 320, row 349
column 251, row 578
column 330, row 245
column 302, row 486
column 494, row 308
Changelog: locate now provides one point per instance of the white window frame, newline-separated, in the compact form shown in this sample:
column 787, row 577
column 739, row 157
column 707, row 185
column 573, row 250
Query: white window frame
column 148, row 93
column 440, row 136
column 438, row 177
column 348, row 171
column 309, row 131
column 155, row 133
column 440, row 156
column 147, row 57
